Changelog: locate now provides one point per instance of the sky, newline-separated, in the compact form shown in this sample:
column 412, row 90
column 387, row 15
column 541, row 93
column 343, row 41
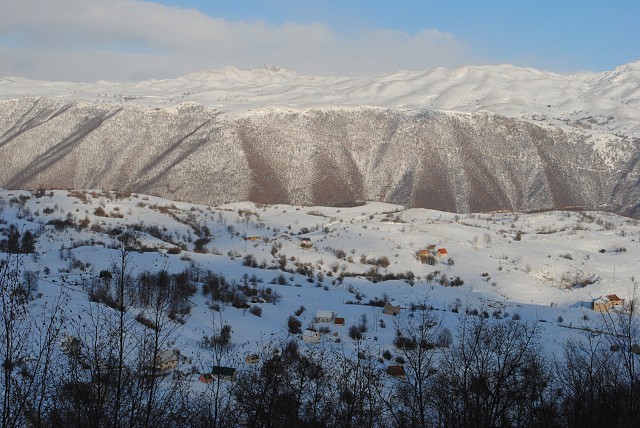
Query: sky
column 129, row 40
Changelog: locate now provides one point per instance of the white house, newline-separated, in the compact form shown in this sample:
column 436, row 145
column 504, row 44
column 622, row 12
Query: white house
column 311, row 336
column 167, row 360
column 324, row 316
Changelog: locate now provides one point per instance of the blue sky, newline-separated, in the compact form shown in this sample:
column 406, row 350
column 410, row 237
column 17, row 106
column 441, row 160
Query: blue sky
column 128, row 39
column 563, row 35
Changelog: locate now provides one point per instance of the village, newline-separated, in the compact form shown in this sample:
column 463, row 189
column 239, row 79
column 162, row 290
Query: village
column 249, row 287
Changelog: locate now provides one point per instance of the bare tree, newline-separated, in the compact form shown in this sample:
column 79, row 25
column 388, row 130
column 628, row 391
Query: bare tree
column 216, row 402
column 495, row 376
column 155, row 398
column 358, row 385
column 583, row 379
column 122, row 273
column 417, row 341
column 623, row 335
column 28, row 350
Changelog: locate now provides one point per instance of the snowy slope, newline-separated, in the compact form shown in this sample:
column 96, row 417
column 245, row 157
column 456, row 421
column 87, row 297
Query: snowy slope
column 547, row 266
column 607, row 102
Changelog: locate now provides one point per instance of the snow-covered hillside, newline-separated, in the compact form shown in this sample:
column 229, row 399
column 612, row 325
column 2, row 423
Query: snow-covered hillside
column 193, row 309
column 459, row 162
column 606, row 103
column 547, row 266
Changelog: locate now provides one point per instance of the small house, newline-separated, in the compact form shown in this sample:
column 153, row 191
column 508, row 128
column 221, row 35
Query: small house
column 396, row 371
column 601, row 304
column 389, row 309
column 614, row 300
column 604, row 303
column 311, row 336
column 224, row 373
column 423, row 253
column 167, row 360
column 339, row 321
column 441, row 252
column 324, row 316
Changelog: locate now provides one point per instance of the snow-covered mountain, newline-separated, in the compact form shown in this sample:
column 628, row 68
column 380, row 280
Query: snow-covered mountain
column 470, row 139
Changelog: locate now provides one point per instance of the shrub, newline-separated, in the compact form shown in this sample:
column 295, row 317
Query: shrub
column 355, row 333
column 146, row 322
column 200, row 245
column 294, row 325
column 256, row 310
column 456, row 282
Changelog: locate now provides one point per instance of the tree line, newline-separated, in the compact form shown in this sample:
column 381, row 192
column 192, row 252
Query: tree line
column 491, row 373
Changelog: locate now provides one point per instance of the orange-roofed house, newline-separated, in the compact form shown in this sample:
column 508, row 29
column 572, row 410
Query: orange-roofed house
column 604, row 303
column 423, row 253
column 441, row 252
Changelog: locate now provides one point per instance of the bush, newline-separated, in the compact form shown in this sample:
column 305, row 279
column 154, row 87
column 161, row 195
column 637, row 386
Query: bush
column 146, row 322
column 105, row 274
column 294, row 325
column 200, row 245
column 250, row 261
column 355, row 333
column 456, row 282
column 256, row 310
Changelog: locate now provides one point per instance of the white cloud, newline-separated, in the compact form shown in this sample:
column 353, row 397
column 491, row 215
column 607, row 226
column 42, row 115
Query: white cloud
column 126, row 39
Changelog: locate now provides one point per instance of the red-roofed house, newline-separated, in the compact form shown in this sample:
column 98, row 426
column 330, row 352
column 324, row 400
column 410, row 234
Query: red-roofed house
column 604, row 303
column 614, row 300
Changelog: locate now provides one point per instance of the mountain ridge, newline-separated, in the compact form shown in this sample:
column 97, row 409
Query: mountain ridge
column 448, row 161
column 297, row 140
